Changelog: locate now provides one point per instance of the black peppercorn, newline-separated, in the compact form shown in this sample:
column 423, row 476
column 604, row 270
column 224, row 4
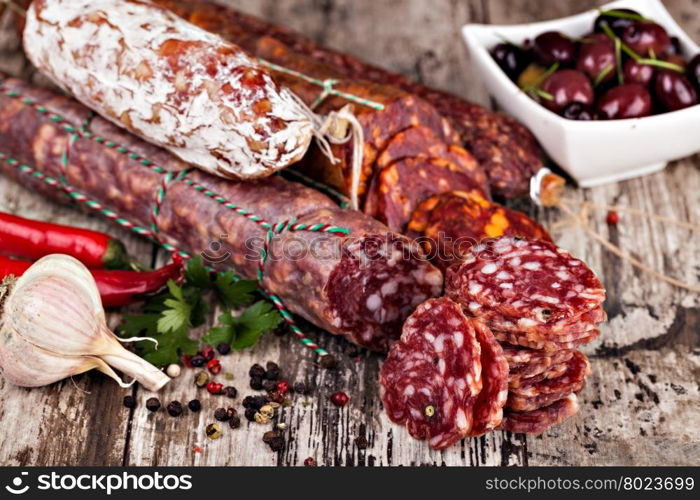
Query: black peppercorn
column 277, row 444
column 234, row 422
column 269, row 385
column 230, row 391
column 328, row 362
column 129, row 401
column 255, row 402
column 361, row 442
column 256, row 383
column 273, row 371
column 300, row 388
column 197, row 361
column 194, row 405
column 175, row 408
column 221, row 415
column 223, row 348
column 256, row 371
column 250, row 414
column 153, row 404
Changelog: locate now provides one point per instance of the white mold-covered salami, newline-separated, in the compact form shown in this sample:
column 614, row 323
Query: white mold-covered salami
column 531, row 280
column 169, row 82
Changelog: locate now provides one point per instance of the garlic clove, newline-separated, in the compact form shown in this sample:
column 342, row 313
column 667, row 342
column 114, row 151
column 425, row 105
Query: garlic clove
column 55, row 313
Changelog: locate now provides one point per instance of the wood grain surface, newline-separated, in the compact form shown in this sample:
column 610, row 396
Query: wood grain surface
column 641, row 405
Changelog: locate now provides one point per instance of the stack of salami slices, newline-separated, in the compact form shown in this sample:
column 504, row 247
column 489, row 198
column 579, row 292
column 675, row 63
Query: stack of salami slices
column 541, row 304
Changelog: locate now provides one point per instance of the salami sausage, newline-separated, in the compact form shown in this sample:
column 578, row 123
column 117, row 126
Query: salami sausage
column 532, row 281
column 538, row 421
column 557, row 331
column 51, row 144
column 516, row 380
column 545, row 345
column 449, row 224
column 397, row 190
column 506, row 150
column 432, row 376
column 169, row 82
column 524, row 362
column 488, row 408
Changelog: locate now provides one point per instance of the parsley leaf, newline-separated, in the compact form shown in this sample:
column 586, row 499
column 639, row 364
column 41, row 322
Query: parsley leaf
column 176, row 316
column 232, row 292
column 170, row 347
column 197, row 275
column 244, row 330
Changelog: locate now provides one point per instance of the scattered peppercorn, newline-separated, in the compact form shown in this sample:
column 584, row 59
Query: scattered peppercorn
column 339, row 398
column 153, row 404
column 187, row 360
column 234, row 422
column 129, row 401
column 269, row 385
column 273, row 371
column 214, row 366
column 230, row 391
column 276, row 396
column 361, row 442
column 197, row 361
column 255, row 402
column 214, row 388
column 208, row 353
column 201, row 379
column 223, row 348
column 256, row 371
column 328, row 362
column 221, row 415
column 213, row 431
column 613, row 218
column 277, row 444
column 175, row 408
column 281, row 426
column 269, row 436
column 301, row 388
column 256, row 383
column 283, row 387
column 173, row 370
column 194, row 405
column 309, row 462
column 250, row 414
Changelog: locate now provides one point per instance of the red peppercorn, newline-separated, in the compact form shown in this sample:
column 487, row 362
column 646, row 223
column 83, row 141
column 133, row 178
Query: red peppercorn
column 214, row 366
column 612, row 219
column 186, row 359
column 283, row 387
column 208, row 353
column 339, row 398
column 310, row 462
column 214, row 388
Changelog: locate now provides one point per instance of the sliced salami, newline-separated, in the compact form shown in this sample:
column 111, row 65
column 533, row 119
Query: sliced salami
column 538, row 421
column 450, row 224
column 424, row 143
column 545, row 345
column 573, row 328
column 488, row 409
column 516, row 380
column 521, row 357
column 524, row 278
column 432, row 375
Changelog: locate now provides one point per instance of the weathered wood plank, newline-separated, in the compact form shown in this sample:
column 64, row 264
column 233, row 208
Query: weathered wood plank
column 640, row 402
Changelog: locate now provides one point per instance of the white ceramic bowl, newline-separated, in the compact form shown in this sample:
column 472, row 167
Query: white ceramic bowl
column 595, row 152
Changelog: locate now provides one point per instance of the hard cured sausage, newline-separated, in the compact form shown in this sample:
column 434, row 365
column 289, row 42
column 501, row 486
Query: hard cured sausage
column 169, row 82
column 361, row 285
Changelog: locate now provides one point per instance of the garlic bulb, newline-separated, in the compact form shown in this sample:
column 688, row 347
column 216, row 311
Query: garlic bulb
column 53, row 326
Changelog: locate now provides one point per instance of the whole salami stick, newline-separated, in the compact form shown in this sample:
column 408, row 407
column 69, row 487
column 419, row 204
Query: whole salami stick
column 506, row 150
column 290, row 237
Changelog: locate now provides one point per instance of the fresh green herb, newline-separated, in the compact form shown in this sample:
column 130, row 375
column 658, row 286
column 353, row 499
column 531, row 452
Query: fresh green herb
column 169, row 316
column 244, row 330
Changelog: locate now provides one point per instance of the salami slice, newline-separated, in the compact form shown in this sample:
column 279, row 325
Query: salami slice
column 488, row 409
column 516, row 380
column 450, row 224
column 524, row 278
column 423, row 142
column 545, row 345
column 574, row 328
column 538, row 421
column 430, row 380
column 400, row 187
column 524, row 362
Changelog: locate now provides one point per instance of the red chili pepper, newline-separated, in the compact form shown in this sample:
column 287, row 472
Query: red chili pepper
column 32, row 239
column 117, row 288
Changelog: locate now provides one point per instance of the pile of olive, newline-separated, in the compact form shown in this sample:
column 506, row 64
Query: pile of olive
column 628, row 67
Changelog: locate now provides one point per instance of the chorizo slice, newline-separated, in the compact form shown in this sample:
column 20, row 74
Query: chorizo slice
column 538, row 421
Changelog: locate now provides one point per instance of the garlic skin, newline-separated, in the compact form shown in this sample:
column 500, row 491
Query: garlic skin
column 53, row 326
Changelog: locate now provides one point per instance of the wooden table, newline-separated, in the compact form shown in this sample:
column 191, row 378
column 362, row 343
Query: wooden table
column 641, row 405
